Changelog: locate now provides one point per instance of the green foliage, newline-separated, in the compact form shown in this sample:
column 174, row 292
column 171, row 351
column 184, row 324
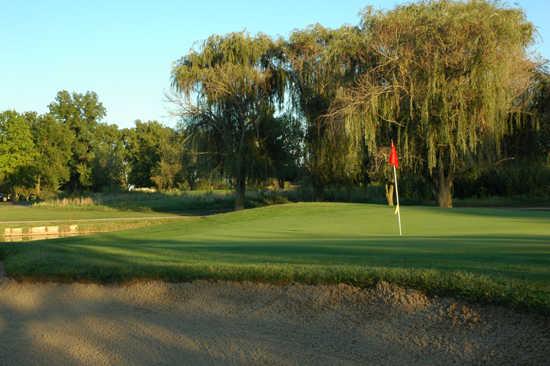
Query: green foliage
column 169, row 169
column 508, row 179
column 230, row 87
column 81, row 113
column 322, row 61
column 530, row 138
column 524, row 169
column 17, row 148
column 53, row 142
column 278, row 151
column 451, row 82
column 444, row 83
column 145, row 143
column 110, row 161
column 202, row 167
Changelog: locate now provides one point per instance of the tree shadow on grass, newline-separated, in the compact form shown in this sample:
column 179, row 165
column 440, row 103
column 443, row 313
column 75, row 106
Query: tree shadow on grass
column 513, row 213
column 115, row 257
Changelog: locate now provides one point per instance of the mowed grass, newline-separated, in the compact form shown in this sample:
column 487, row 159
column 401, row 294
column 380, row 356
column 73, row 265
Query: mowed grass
column 88, row 219
column 17, row 213
column 484, row 255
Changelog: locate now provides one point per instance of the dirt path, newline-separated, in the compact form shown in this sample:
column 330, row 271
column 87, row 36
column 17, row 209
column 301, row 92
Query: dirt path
column 230, row 323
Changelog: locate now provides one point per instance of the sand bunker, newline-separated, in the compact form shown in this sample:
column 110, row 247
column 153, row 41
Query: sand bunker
column 244, row 323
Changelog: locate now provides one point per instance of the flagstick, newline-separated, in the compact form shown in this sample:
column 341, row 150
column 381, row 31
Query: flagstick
column 397, row 196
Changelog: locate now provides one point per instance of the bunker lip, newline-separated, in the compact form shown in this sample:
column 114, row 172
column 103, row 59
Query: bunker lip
column 115, row 281
column 205, row 322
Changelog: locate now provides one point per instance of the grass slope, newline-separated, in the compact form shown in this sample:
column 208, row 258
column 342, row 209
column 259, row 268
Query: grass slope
column 17, row 213
column 88, row 219
column 488, row 255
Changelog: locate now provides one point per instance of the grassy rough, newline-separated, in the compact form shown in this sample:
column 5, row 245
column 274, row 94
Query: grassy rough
column 483, row 255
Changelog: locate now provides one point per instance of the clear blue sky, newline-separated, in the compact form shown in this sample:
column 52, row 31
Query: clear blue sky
column 124, row 50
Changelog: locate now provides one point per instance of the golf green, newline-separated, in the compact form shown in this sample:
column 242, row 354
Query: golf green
column 495, row 255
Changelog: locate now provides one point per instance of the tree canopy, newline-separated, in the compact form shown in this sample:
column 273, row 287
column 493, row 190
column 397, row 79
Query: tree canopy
column 321, row 62
column 231, row 86
column 452, row 83
column 446, row 79
column 80, row 113
column 17, row 148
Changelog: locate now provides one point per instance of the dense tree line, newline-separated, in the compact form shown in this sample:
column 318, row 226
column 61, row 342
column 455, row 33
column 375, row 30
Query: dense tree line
column 450, row 82
column 70, row 149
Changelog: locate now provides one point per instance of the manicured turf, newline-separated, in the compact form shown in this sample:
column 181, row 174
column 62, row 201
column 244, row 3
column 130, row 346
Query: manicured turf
column 17, row 213
column 88, row 219
column 492, row 255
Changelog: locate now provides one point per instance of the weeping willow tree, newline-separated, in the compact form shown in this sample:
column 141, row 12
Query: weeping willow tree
column 321, row 61
column 446, row 84
column 230, row 86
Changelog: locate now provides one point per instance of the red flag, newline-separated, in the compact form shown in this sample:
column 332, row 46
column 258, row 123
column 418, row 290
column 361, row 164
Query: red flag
column 393, row 157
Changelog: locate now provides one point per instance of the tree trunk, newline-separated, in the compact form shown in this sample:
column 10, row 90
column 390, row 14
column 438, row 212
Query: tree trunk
column 37, row 186
column 317, row 180
column 281, row 183
column 240, row 191
column 389, row 193
column 317, row 183
column 444, row 190
column 240, row 188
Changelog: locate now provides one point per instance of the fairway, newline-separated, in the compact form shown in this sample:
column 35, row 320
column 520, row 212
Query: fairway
column 481, row 254
column 93, row 219
column 15, row 213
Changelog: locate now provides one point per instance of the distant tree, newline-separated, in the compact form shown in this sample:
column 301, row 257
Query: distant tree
column 202, row 158
column 81, row 113
column 110, row 159
column 283, row 148
column 229, row 86
column 145, row 143
column 444, row 82
column 53, row 141
column 17, row 149
column 169, row 169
